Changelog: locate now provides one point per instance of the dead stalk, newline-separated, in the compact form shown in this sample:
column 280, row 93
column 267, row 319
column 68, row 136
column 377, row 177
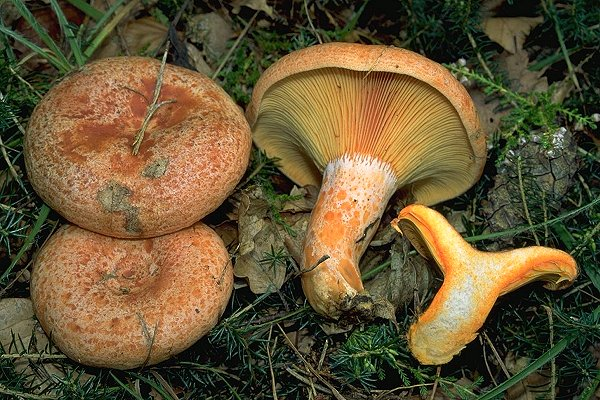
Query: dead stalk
column 154, row 105
column 312, row 370
column 235, row 45
column 524, row 200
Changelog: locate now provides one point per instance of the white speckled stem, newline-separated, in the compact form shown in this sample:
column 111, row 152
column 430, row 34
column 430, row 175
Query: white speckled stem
column 353, row 196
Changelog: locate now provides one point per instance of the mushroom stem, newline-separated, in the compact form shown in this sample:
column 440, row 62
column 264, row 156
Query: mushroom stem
column 353, row 196
column 473, row 280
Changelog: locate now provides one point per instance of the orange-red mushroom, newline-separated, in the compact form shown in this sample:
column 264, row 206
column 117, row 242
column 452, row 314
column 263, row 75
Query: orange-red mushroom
column 372, row 120
column 79, row 147
column 473, row 280
column 122, row 303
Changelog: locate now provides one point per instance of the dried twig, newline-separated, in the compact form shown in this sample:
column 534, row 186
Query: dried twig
column 33, row 356
column 273, row 382
column 435, row 383
column 307, row 381
column 313, row 371
column 524, row 200
column 235, row 45
column 312, row 27
column 154, row 104
column 553, row 360
column 496, row 355
column 150, row 337
column 22, row 395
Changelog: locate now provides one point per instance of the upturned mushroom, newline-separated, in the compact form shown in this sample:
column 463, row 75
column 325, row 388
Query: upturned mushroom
column 372, row 119
column 473, row 280
column 120, row 303
column 111, row 157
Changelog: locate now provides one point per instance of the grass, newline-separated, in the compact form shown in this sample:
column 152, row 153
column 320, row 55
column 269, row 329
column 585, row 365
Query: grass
column 273, row 345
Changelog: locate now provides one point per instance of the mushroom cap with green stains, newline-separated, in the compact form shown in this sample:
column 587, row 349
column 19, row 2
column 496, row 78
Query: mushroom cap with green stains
column 317, row 104
column 78, row 148
column 118, row 303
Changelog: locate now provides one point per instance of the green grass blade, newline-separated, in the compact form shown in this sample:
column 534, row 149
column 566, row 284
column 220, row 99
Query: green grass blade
column 105, row 18
column 39, row 222
column 87, row 9
column 100, row 36
column 42, row 33
column 126, row 387
column 156, row 386
column 531, row 368
column 57, row 63
column 516, row 231
column 68, row 32
column 589, row 392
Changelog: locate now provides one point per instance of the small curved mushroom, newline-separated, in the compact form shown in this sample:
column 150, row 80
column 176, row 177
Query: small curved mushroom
column 118, row 303
column 79, row 150
column 473, row 280
column 372, row 119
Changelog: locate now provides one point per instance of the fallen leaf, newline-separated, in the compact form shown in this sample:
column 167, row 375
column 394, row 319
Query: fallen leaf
column 534, row 386
column 21, row 334
column 303, row 199
column 510, row 33
column 137, row 37
column 489, row 110
column 405, row 277
column 257, row 5
column 16, row 321
column 197, row 59
column 228, row 232
column 212, row 32
column 263, row 255
column 522, row 79
column 303, row 340
column 45, row 17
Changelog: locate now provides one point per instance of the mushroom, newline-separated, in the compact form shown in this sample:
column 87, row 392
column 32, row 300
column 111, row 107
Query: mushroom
column 79, row 147
column 473, row 280
column 373, row 119
column 119, row 303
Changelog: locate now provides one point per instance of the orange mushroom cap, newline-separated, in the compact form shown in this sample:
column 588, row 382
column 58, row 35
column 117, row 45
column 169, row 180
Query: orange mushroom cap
column 473, row 280
column 78, row 148
column 372, row 119
column 119, row 303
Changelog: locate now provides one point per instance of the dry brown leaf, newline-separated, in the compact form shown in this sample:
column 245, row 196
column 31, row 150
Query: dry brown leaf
column 139, row 37
column 406, row 276
column 228, row 232
column 523, row 80
column 260, row 236
column 16, row 319
column 212, row 32
column 490, row 113
column 304, row 199
column 534, row 386
column 21, row 334
column 510, row 33
column 257, row 5
column 197, row 59
column 303, row 340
